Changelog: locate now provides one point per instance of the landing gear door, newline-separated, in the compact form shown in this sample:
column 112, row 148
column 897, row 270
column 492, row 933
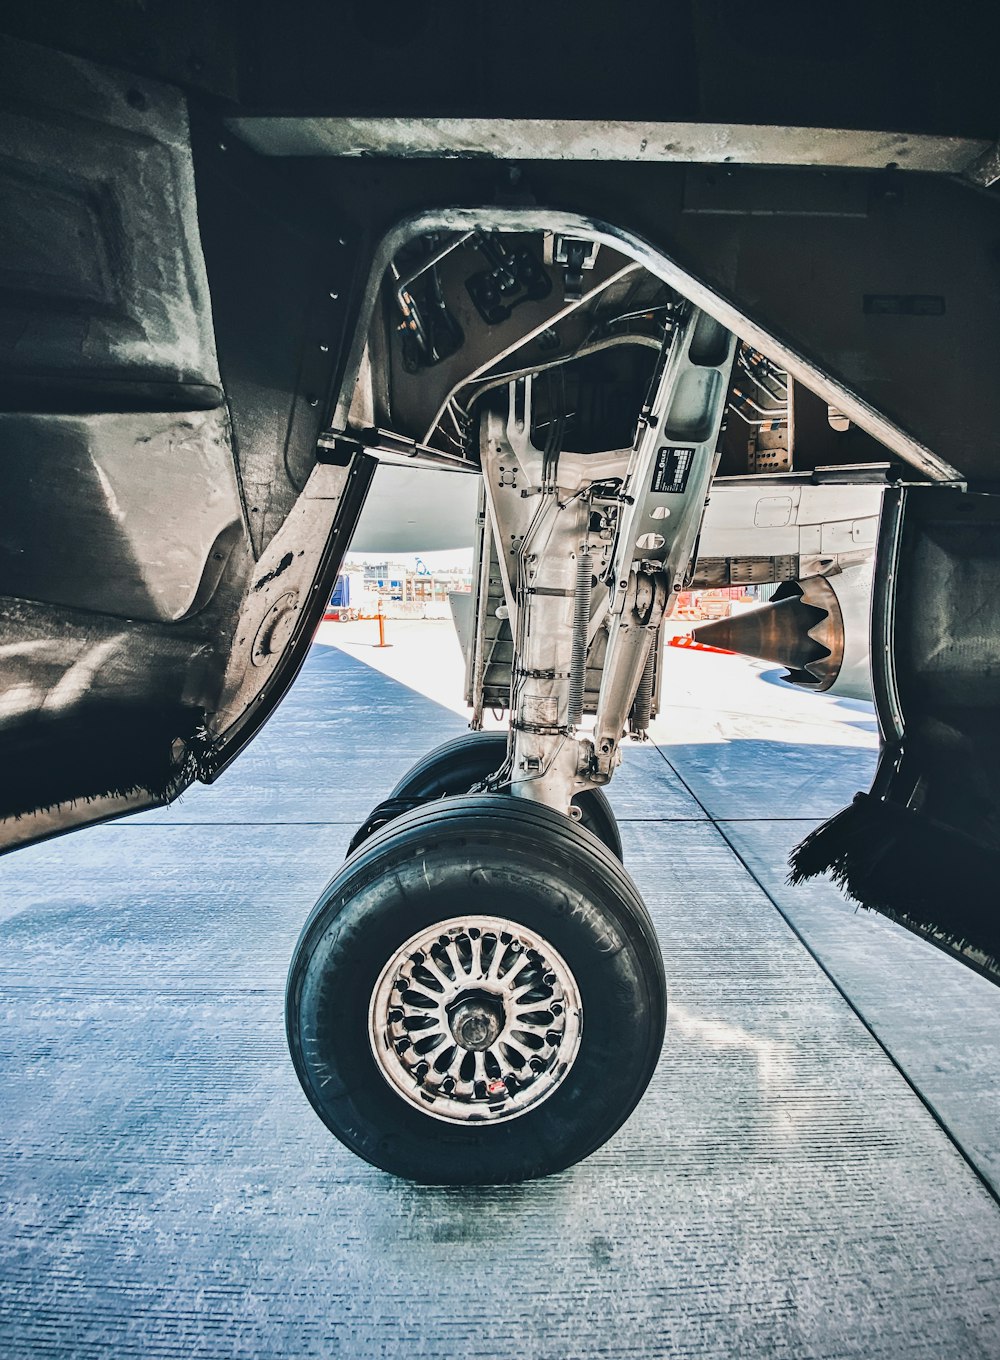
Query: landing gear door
column 160, row 575
column 924, row 845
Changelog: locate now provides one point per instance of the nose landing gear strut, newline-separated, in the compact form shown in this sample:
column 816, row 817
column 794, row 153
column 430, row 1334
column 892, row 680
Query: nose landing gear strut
column 479, row 996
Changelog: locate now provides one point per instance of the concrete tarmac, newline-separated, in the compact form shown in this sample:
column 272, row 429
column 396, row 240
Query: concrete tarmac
column 814, row 1171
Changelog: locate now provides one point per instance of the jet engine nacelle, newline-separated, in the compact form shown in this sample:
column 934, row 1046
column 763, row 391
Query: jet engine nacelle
column 819, row 628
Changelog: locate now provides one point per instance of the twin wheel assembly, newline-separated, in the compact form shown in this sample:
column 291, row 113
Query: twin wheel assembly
column 478, row 997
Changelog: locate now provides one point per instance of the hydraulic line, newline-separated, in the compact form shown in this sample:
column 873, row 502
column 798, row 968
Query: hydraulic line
column 581, row 627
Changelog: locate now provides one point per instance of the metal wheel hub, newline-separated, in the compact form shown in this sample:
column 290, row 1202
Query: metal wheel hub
column 476, row 1019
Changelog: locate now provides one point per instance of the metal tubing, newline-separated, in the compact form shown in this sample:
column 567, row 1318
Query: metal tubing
column 482, row 601
column 528, row 336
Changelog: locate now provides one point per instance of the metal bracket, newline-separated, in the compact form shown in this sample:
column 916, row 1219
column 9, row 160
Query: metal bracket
column 575, row 255
column 389, row 447
column 658, row 528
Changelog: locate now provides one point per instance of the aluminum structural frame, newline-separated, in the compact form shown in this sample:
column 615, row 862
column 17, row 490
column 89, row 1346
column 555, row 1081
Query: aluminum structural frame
column 586, row 541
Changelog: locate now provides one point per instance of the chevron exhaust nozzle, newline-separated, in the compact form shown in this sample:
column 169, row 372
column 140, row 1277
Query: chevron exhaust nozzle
column 817, row 628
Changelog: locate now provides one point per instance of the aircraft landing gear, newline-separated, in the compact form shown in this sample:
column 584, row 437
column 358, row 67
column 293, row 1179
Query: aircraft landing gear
column 478, row 997
column 459, row 765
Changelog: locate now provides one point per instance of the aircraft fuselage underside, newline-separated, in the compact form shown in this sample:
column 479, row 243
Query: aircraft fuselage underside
column 214, row 326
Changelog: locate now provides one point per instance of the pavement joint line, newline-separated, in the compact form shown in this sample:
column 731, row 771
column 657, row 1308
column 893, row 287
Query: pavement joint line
column 171, row 825
column 167, row 992
column 647, row 821
column 929, row 1106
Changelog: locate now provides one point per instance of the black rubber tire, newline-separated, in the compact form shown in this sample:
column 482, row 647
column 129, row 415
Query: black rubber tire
column 456, row 765
column 512, row 859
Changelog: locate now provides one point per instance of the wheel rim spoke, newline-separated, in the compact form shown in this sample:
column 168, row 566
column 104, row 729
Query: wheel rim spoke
column 435, row 967
column 476, row 968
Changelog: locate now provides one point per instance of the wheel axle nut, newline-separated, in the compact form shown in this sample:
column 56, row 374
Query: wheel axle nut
column 476, row 1021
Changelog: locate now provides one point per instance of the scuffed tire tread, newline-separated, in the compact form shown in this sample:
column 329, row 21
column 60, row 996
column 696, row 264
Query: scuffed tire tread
column 359, row 921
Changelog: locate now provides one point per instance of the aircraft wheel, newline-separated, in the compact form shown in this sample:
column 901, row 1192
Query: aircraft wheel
column 478, row 996
column 455, row 766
